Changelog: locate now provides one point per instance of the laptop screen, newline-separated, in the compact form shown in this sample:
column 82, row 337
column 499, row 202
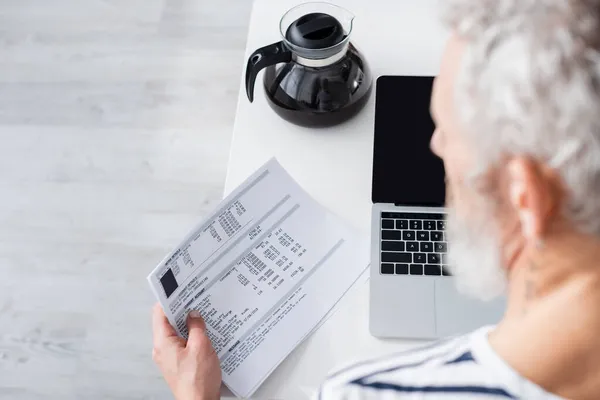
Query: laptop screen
column 405, row 171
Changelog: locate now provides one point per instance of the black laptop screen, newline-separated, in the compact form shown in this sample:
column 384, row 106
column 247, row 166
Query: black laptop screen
column 405, row 171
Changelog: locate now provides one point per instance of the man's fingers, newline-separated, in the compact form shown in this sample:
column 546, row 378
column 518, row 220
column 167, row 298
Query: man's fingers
column 161, row 327
column 196, row 331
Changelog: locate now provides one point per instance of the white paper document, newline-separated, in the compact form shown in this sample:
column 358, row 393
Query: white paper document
column 263, row 270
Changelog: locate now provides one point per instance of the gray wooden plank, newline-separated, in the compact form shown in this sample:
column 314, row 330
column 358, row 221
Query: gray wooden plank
column 115, row 124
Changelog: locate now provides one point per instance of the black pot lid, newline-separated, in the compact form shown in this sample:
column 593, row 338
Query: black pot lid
column 315, row 31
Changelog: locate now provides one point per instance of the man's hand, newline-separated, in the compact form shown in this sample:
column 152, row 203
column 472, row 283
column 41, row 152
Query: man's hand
column 190, row 368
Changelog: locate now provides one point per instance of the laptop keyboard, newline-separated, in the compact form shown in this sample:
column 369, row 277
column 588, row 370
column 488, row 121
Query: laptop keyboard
column 413, row 244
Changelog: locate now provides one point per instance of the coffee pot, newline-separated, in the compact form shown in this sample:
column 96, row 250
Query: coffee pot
column 314, row 76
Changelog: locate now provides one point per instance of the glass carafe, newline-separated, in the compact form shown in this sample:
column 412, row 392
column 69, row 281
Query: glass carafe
column 315, row 76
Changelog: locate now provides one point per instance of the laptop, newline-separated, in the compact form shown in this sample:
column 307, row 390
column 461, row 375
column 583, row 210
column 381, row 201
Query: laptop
column 412, row 293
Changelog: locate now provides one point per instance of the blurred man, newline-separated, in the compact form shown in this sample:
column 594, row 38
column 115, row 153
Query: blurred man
column 517, row 109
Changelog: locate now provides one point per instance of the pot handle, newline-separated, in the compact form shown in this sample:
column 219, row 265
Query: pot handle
column 269, row 55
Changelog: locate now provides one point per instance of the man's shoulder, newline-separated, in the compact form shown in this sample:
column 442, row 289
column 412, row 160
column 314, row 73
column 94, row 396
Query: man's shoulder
column 407, row 362
column 444, row 366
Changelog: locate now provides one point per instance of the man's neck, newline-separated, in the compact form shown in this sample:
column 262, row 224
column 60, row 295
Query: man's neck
column 549, row 333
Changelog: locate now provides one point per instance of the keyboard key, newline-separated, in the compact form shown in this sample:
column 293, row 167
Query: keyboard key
column 426, row 247
column 416, row 269
column 433, row 270
column 412, row 246
column 420, row 258
column 387, row 224
column 433, row 258
column 423, row 236
column 444, row 258
column 446, row 271
column 429, row 225
column 387, row 269
column 396, row 257
column 391, row 235
column 437, row 236
column 401, row 269
column 441, row 225
column 440, row 247
column 401, row 224
column 392, row 246
column 408, row 235
column 416, row 225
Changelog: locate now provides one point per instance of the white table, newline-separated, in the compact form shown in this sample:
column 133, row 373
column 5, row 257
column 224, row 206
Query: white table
column 397, row 37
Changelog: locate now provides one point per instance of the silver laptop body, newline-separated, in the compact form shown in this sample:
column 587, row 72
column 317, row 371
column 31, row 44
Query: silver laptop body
column 412, row 294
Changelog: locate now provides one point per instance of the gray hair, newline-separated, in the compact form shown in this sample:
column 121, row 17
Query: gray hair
column 530, row 85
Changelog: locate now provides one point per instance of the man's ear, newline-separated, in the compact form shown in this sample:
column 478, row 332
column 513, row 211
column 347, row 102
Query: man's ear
column 531, row 196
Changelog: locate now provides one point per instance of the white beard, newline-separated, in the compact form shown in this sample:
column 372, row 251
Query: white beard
column 474, row 256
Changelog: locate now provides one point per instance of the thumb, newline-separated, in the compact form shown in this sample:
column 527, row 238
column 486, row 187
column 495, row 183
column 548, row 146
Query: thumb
column 196, row 330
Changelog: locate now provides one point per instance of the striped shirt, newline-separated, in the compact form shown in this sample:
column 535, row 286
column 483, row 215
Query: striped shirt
column 460, row 368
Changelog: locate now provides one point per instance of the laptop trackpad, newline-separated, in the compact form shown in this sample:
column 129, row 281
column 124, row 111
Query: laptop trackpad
column 458, row 314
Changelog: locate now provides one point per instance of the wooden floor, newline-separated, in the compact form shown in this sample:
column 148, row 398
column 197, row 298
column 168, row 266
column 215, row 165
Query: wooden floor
column 115, row 123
